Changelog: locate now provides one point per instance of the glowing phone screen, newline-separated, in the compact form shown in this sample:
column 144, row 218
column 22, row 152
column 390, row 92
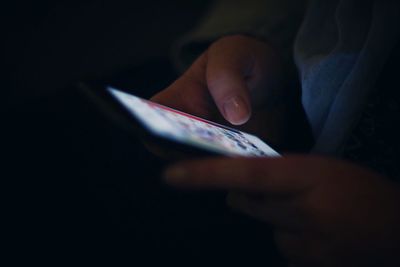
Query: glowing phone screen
column 188, row 129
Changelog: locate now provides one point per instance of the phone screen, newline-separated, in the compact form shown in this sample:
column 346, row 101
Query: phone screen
column 188, row 129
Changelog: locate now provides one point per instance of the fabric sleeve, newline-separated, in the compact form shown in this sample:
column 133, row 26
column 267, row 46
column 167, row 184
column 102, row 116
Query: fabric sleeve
column 276, row 21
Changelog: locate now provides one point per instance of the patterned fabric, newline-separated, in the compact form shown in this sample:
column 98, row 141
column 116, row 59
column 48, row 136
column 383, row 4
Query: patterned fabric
column 340, row 50
column 375, row 140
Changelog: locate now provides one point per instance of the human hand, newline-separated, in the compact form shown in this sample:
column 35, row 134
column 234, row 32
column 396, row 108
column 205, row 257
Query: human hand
column 325, row 212
column 237, row 80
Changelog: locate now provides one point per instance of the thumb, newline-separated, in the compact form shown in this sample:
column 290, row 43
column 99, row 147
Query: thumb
column 226, row 79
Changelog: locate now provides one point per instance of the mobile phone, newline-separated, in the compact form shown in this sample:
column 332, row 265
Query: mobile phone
column 176, row 129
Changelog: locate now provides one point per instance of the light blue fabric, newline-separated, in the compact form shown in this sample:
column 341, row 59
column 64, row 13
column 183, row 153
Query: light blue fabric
column 340, row 50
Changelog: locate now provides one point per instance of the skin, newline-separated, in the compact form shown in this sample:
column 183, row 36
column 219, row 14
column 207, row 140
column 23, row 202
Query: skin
column 325, row 212
column 233, row 72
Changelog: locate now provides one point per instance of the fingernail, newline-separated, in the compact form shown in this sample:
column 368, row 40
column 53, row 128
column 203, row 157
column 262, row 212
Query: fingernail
column 175, row 174
column 236, row 110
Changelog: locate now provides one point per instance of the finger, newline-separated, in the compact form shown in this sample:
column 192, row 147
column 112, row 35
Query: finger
column 189, row 93
column 275, row 176
column 226, row 72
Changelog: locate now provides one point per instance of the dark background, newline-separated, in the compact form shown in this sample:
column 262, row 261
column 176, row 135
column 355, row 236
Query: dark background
column 76, row 186
column 51, row 43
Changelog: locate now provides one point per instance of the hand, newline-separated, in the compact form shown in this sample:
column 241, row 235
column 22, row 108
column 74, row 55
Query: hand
column 325, row 212
column 237, row 80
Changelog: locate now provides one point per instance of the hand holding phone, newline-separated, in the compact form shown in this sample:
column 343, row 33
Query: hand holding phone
column 187, row 129
column 176, row 129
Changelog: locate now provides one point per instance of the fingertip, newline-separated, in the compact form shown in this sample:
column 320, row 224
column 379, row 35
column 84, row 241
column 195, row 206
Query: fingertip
column 236, row 110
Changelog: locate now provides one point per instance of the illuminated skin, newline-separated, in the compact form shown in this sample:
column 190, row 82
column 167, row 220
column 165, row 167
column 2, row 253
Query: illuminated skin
column 233, row 68
column 325, row 212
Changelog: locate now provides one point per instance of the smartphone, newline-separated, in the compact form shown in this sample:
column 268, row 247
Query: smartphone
column 175, row 129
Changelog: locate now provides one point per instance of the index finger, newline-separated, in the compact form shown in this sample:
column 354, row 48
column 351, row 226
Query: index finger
column 189, row 93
